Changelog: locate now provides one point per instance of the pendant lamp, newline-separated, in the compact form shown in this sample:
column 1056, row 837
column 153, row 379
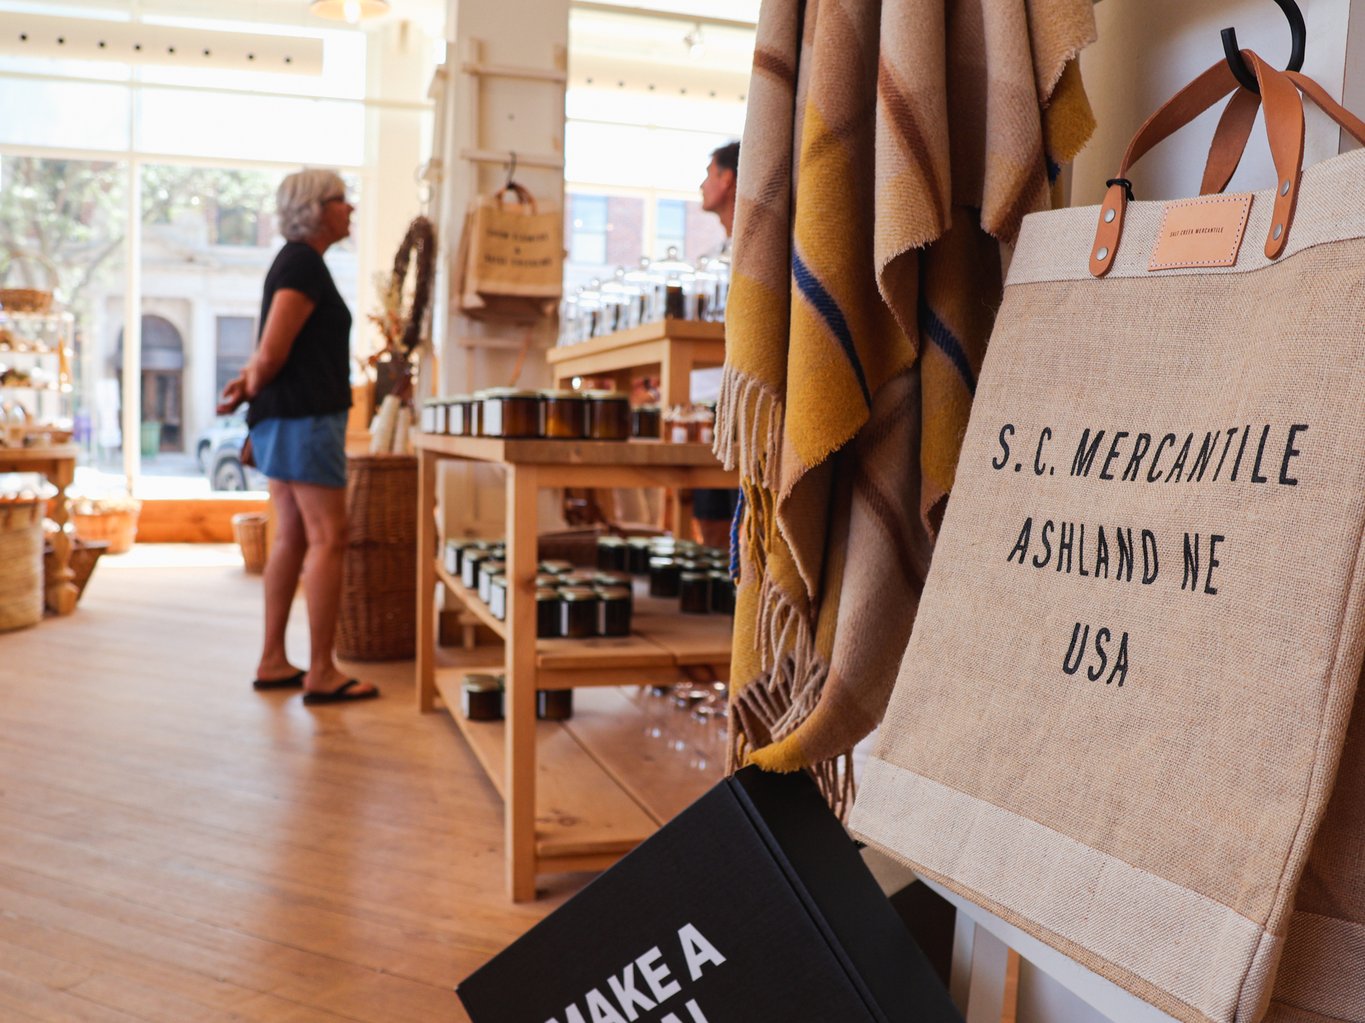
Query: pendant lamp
column 352, row 11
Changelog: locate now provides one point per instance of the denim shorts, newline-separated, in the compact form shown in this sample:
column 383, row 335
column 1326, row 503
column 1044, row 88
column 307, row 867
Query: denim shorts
column 309, row 449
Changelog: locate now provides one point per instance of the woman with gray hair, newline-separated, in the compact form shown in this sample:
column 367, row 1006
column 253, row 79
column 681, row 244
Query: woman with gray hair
column 298, row 384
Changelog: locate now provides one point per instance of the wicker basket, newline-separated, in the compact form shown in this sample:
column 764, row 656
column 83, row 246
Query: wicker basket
column 25, row 300
column 84, row 554
column 21, row 563
column 118, row 527
column 249, row 529
column 378, row 615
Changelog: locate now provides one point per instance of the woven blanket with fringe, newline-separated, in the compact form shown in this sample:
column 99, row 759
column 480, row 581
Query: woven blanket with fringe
column 891, row 146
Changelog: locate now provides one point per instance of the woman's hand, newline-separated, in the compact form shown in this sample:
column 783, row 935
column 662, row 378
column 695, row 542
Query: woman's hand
column 233, row 395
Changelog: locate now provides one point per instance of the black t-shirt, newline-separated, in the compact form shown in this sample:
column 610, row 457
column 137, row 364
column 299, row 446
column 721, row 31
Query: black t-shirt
column 315, row 379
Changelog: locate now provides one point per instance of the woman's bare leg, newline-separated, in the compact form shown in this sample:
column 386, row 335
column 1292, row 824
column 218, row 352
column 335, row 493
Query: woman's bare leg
column 281, row 582
column 324, row 520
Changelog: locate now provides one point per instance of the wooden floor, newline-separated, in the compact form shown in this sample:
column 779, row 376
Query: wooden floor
column 176, row 847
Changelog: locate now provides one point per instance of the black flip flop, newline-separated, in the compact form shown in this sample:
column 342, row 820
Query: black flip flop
column 292, row 682
column 344, row 693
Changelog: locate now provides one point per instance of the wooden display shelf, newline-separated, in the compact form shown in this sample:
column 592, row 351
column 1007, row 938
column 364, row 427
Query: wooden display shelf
column 661, row 641
column 668, row 350
column 541, row 778
column 582, row 812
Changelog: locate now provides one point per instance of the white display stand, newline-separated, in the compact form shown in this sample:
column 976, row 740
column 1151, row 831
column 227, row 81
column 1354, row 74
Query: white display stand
column 1043, row 986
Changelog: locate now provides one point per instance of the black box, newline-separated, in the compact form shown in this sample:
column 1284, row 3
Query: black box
column 753, row 905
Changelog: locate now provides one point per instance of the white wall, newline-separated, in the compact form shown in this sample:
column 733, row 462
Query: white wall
column 1148, row 50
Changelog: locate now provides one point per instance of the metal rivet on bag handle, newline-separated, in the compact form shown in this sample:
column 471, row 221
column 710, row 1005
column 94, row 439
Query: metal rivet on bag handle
column 1279, row 230
column 1102, row 252
column 1109, row 216
column 1284, row 189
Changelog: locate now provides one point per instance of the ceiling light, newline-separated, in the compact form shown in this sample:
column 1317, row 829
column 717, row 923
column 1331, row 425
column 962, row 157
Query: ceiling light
column 694, row 41
column 351, row 11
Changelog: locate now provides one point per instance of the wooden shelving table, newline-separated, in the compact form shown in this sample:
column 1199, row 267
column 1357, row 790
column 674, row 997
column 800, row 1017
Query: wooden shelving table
column 672, row 349
column 569, row 806
column 57, row 464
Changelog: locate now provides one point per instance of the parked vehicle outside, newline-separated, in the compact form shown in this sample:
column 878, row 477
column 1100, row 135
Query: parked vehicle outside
column 207, row 440
column 224, row 463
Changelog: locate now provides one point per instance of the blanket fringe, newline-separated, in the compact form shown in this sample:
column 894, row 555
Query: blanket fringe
column 749, row 416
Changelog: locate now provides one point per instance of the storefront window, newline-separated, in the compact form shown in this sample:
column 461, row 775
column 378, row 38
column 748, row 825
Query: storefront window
column 62, row 230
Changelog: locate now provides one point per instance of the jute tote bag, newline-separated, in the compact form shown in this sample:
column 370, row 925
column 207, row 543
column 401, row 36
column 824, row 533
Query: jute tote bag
column 517, row 251
column 1120, row 719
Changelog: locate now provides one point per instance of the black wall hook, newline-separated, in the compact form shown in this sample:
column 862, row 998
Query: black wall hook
column 1298, row 35
column 512, row 169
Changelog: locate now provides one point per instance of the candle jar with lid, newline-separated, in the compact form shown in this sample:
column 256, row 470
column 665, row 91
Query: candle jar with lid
column 488, row 568
column 646, row 422
column 608, row 415
column 612, row 553
column 578, row 617
column 566, row 414
column 664, row 576
column 548, row 613
column 694, row 592
column 510, row 413
column 474, row 420
column 469, row 567
column 457, row 415
column 497, row 596
column 615, row 613
column 481, row 696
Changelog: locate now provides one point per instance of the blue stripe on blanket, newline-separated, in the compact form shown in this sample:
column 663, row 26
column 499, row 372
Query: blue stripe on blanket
column 944, row 341
column 735, row 525
column 830, row 312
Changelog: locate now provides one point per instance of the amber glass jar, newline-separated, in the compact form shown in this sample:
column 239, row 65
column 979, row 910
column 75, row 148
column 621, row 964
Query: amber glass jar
column 694, row 592
column 578, row 617
column 556, row 567
column 646, row 421
column 509, row 413
column 608, row 415
column 664, row 577
column 566, row 414
column 457, row 415
column 637, row 555
column 482, row 697
column 612, row 554
column 547, row 613
column 469, row 567
column 488, row 568
column 497, row 596
column 615, row 604
column 451, row 558
column 554, row 704
column 474, row 415
column 722, row 593
column 546, row 579
column 578, row 577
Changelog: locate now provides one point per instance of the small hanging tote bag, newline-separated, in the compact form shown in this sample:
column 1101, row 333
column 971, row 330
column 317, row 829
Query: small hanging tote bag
column 1120, row 720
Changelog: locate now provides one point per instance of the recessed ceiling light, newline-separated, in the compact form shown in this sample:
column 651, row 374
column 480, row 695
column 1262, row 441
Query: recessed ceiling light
column 352, row 11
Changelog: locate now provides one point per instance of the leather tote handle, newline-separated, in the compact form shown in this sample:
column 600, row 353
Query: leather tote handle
column 1284, row 122
column 1234, row 129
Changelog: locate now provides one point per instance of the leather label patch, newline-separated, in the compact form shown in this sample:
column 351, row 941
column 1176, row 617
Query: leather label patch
column 1205, row 231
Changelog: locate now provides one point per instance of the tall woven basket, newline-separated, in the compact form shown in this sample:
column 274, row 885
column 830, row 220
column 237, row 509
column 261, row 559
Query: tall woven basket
column 378, row 616
column 21, row 563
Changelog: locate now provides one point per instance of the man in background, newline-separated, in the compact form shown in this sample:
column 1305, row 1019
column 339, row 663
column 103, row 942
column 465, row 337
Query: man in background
column 718, row 187
column 713, row 510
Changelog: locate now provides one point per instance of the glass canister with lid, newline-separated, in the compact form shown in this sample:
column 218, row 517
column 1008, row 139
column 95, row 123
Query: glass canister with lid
column 678, row 283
